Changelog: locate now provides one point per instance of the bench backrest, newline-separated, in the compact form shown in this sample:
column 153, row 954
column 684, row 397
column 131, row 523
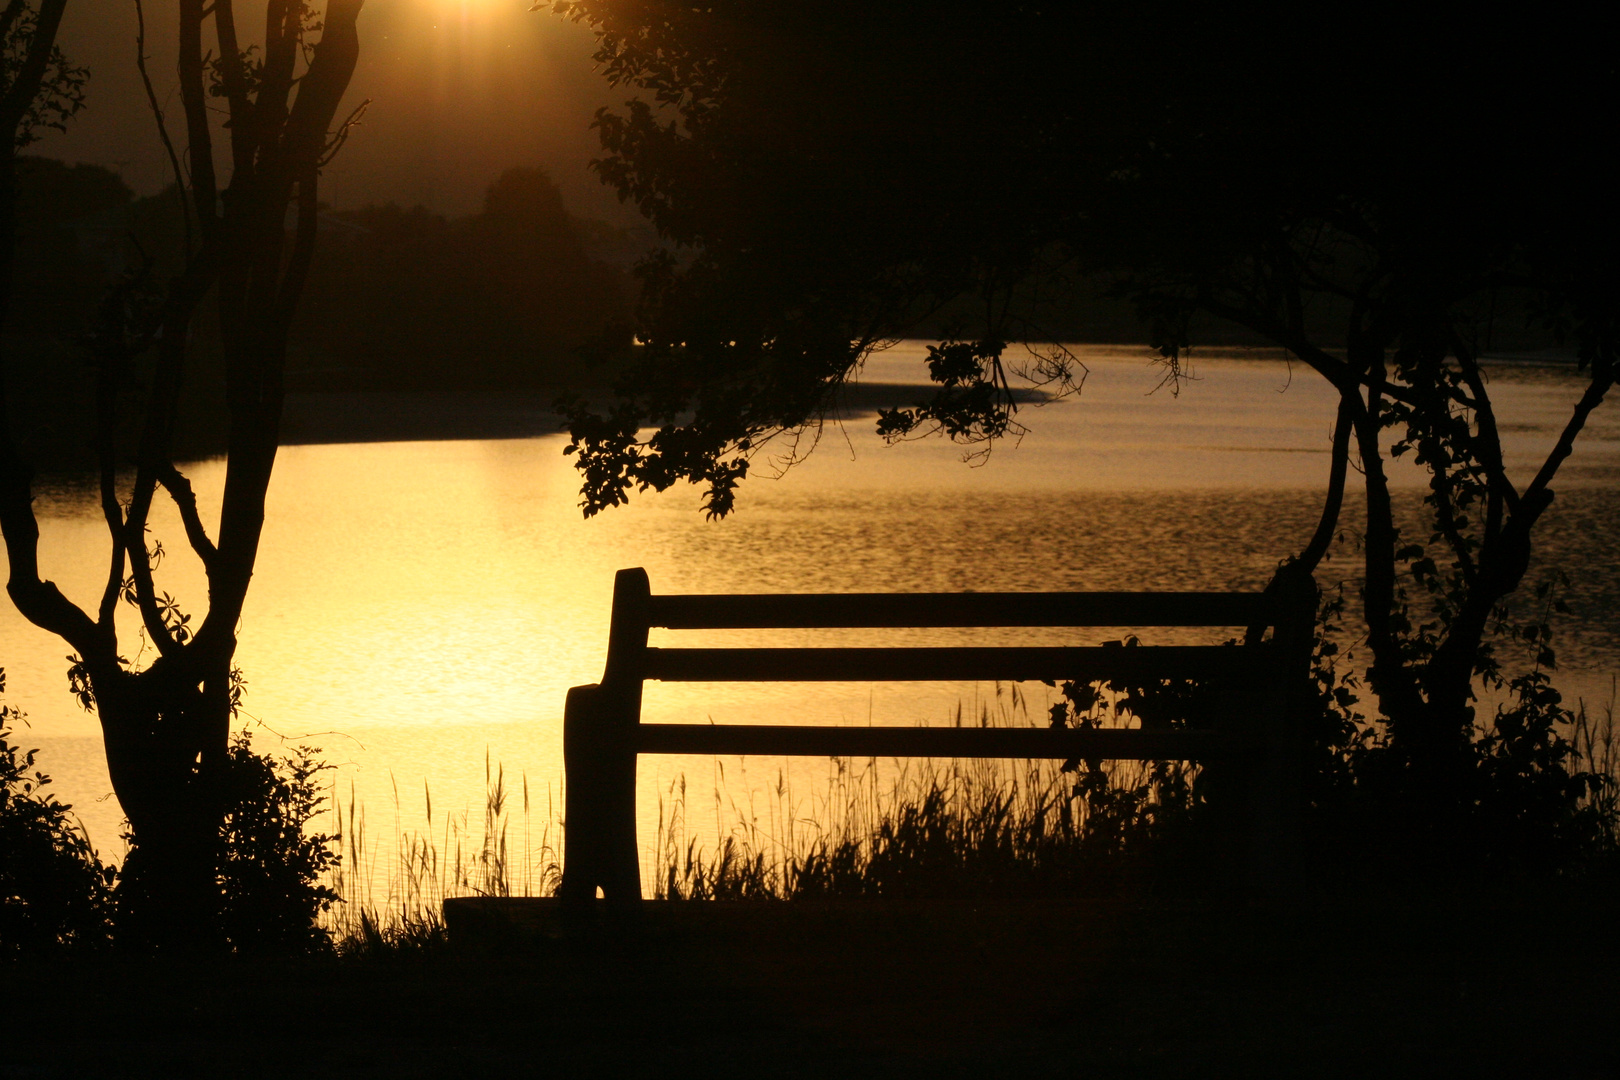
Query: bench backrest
column 603, row 733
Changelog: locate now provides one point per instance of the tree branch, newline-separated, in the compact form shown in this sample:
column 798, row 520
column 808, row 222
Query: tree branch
column 1311, row 557
column 204, row 186
column 40, row 602
column 281, row 36
column 111, row 512
column 233, row 80
column 25, row 85
column 186, row 209
column 293, row 278
column 322, row 87
column 1602, row 381
column 185, row 500
column 1445, row 517
column 140, row 569
column 1344, row 377
column 1393, row 682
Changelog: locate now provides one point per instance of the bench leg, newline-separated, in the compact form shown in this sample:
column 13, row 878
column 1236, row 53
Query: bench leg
column 599, row 807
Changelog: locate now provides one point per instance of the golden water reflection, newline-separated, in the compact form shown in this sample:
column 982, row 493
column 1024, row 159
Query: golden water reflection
column 420, row 608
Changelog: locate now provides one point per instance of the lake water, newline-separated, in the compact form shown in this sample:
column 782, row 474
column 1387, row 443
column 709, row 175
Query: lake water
column 421, row 608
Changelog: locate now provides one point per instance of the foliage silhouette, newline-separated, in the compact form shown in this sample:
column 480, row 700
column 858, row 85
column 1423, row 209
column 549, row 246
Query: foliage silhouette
column 54, row 890
column 39, row 87
column 269, row 894
column 829, row 179
column 273, row 864
column 522, row 287
column 166, row 725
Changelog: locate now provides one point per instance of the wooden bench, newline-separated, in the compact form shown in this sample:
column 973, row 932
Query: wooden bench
column 603, row 732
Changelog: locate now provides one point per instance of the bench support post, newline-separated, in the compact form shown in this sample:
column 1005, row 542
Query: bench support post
column 599, row 760
column 1276, row 795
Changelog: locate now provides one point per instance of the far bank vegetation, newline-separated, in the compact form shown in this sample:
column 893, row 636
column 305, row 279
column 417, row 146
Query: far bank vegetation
column 521, row 294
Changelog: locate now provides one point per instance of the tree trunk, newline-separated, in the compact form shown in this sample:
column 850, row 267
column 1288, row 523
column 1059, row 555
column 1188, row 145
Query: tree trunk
column 165, row 737
column 166, row 728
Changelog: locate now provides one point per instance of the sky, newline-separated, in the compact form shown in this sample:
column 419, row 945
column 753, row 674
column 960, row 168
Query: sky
column 460, row 90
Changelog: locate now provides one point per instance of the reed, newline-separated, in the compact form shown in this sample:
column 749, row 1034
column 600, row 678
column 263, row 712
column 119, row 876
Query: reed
column 870, row 828
column 1593, row 737
column 394, row 895
column 925, row 827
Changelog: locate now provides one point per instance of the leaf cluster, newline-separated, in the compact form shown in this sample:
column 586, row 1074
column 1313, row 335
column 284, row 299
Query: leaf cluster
column 61, row 92
column 853, row 170
column 273, row 865
column 54, row 890
column 972, row 404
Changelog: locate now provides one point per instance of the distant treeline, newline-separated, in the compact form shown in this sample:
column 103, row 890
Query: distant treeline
column 521, row 293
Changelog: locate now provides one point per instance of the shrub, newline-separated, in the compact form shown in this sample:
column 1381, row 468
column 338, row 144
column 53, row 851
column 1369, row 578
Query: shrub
column 267, row 895
column 271, row 864
column 54, row 891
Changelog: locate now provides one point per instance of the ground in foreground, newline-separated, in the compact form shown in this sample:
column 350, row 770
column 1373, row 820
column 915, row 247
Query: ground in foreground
column 1321, row 987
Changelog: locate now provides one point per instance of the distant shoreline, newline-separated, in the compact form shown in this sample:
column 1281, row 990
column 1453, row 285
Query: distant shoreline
column 365, row 416
column 314, row 418
column 321, row 417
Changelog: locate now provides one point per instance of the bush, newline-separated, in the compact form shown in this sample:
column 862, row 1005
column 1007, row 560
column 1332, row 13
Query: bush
column 54, row 891
column 266, row 897
column 271, row 865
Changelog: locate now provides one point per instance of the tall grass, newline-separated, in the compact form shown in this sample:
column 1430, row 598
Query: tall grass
column 920, row 827
column 395, row 893
column 957, row 828
column 1593, row 737
column 930, row 827
column 917, row 827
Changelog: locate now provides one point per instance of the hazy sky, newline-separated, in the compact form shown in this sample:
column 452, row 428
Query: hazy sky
column 460, row 89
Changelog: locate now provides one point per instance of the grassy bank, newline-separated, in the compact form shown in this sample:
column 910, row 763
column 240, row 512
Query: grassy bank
column 914, row 830
column 1518, row 980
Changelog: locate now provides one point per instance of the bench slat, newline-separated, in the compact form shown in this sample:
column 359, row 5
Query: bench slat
column 764, row 740
column 954, row 664
column 800, row 611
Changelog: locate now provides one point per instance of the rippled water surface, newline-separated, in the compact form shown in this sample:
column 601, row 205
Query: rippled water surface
column 422, row 606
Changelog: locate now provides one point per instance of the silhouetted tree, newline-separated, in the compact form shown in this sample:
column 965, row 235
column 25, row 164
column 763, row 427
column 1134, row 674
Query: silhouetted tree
column 513, row 298
column 529, row 265
column 1381, row 196
column 39, row 89
column 166, row 725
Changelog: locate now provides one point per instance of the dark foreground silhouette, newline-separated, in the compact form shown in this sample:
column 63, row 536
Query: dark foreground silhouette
column 1326, row 986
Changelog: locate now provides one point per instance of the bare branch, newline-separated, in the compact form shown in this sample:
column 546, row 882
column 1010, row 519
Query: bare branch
column 193, row 95
column 185, row 500
column 1344, row 377
column 162, row 124
column 233, row 79
column 341, row 136
column 111, row 512
column 1602, row 381
column 1314, row 551
column 40, row 602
